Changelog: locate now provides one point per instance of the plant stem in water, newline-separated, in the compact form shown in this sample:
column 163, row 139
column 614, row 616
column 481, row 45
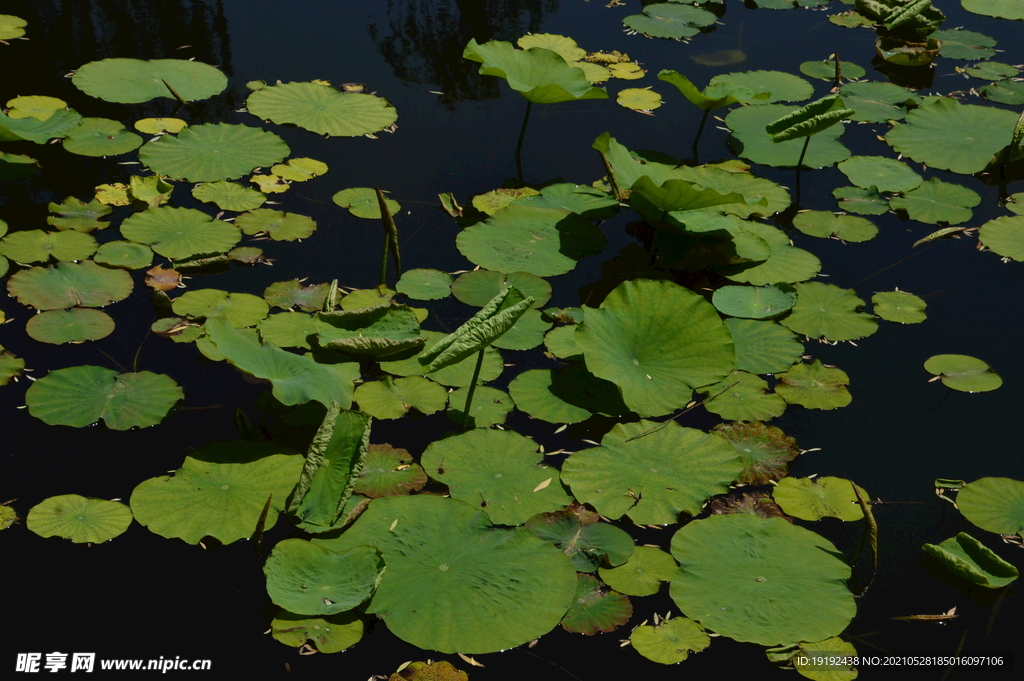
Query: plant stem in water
column 472, row 388
column 799, row 165
column 519, row 147
column 700, row 131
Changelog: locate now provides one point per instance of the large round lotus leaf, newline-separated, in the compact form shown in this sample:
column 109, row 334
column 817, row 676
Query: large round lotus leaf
column 814, row 386
column 38, row 246
column 327, row 634
column 490, row 407
column 453, row 582
column 132, row 81
column 362, row 202
column 785, row 264
column 936, row 201
column 212, row 151
column 460, row 374
column 765, row 450
column 668, row 20
column 310, row 580
column 750, row 140
column 642, row 574
column 828, row 311
column 994, row 504
column 899, row 306
column 100, row 137
column 81, row 396
column 240, row 309
column 180, row 232
column 288, row 330
column 763, row 197
column 670, row 642
column 884, row 174
column 595, row 609
column 69, row 284
column 321, row 109
column 125, row 254
column 478, row 287
column 969, row 559
column 577, row 532
column 960, row 44
column 877, row 102
column 498, row 471
column 817, row 498
column 656, row 341
column 392, row 399
column 761, row 581
column 1004, row 236
column 946, row 134
column 220, row 491
column 70, row 326
column 589, row 202
column 1005, row 9
column 861, row 201
column 629, row 473
column 540, row 241
column 280, row 226
column 80, row 519
column 763, row 347
column 388, row 471
column 783, row 87
column 742, row 397
column 423, row 284
column 229, row 195
column 964, row 373
column 753, row 302
column 825, row 224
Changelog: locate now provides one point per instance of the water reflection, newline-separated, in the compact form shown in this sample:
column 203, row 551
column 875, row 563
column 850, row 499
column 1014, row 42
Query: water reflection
column 424, row 39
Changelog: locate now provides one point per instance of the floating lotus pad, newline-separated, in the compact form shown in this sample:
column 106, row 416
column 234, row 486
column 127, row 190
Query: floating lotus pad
column 35, row 130
column 278, row 225
column 588, row 202
column 1004, row 236
column 68, row 284
column 229, row 195
column 1005, row 92
column 785, row 264
column 389, row 471
column 670, row 642
column 970, row 560
column 884, row 174
column 861, row 201
column 212, row 151
column 763, row 347
column 638, row 99
column 377, row 330
column 133, row 81
column 394, row 398
column 643, row 573
column 992, row 70
column 561, row 343
column 961, row 44
column 100, row 137
column 964, row 373
column 38, row 246
column 874, row 102
column 781, row 86
column 1005, row 9
column 595, row 609
column 742, row 397
column 80, row 519
column 240, row 309
column 828, row 311
column 320, row 108
column 290, row 294
column 300, row 169
column 180, row 232
column 158, row 126
column 70, row 326
column 817, row 498
column 899, row 306
column 78, row 215
column 538, row 74
column 11, row 27
column 10, row 366
column 937, row 202
column 288, row 330
column 814, row 386
column 311, row 580
column 362, row 202
column 535, row 393
column 763, row 197
column 528, row 332
column 424, row 284
column 994, row 504
column 667, row 20
column 330, row 634
column 81, row 396
column 750, row 140
column 765, row 450
column 589, row 543
column 125, row 254
column 826, row 70
column 753, row 302
column 490, row 407
column 824, row 224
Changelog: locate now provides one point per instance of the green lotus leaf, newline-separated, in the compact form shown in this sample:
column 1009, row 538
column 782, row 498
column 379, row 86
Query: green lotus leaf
column 781, row 86
column 969, row 559
column 809, row 119
column 528, row 332
column 125, row 254
column 364, row 298
column 825, row 225
column 765, row 450
column 278, row 225
column 100, row 137
column 642, row 574
column 151, row 190
column 297, row 379
column 667, row 20
column 35, row 130
column 180, row 232
column 994, row 504
column 943, row 133
column 14, row 167
column 750, row 140
column 478, row 287
column 884, row 174
column 1005, row 9
column 133, row 81
column 763, row 347
column 78, row 215
column 661, row 204
column 393, row 398
column 657, row 342
column 785, row 264
column 11, row 27
column 539, row 241
column 1004, row 236
column 81, row 396
column 961, row 44
column 288, row 330
column 312, row 580
column 588, row 202
column 479, row 331
column 299, row 169
column 320, row 108
column 533, row 392
column 826, row 70
column 828, row 311
column 10, row 366
column 594, row 609
column 229, row 195
column 564, row 46
column 590, row 544
column 899, row 306
column 453, row 582
column 378, row 330
column 561, row 343
column 460, row 374
column 330, row 634
column 502, row 197
column 362, row 202
column 875, row 102
column 80, row 519
column 814, row 386
column 538, row 74
column 240, row 309
column 964, row 373
column 490, row 407
column 38, row 246
column 389, row 471
column 775, row 568
column 212, row 151
column 817, row 498
column 627, row 167
column 828, row 660
column 753, row 302
column 291, row 294
column 861, row 201
column 157, row 126
column 70, row 326
column 670, row 642
column 763, row 197
column 423, row 284
column 220, row 491
column 629, row 474
column 725, row 94
column 1005, row 92
column 937, row 202
column 69, row 284
column 742, row 397
column 638, row 99
column 992, row 70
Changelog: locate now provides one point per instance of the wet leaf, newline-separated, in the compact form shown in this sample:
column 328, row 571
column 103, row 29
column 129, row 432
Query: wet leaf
column 817, row 498
column 69, row 284
column 994, row 504
column 899, row 306
column 765, row 450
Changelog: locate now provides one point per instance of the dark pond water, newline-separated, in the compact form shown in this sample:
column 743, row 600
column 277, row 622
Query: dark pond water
column 144, row 596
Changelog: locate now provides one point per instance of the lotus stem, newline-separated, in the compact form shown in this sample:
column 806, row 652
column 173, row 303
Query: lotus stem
column 472, row 388
column 700, row 131
column 799, row 165
column 384, row 263
column 522, row 136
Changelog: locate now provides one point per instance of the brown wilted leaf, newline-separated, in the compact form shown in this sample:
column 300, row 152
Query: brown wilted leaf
column 163, row 279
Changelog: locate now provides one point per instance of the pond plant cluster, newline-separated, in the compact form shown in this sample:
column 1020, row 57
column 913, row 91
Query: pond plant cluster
column 484, row 541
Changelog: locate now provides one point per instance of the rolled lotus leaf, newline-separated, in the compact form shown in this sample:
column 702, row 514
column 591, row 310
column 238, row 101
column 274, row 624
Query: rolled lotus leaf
column 809, row 120
column 482, row 329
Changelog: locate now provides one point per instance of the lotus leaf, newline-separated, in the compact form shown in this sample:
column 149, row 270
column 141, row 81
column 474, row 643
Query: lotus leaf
column 861, row 201
column 586, row 541
column 538, row 74
column 212, row 151
column 100, row 137
column 668, row 20
column 490, row 408
column 969, row 559
column 78, row 215
column 875, row 102
column 594, row 609
column 38, row 246
column 884, row 174
column 180, row 232
column 10, row 366
column 763, row 197
column 826, row 70
column 40, row 108
column 133, row 81
column 229, row 195
column 477, row 333
column 785, row 264
column 534, row 394
column 453, row 582
column 407, row 363
column 478, row 287
column 994, row 504
column 824, row 224
column 742, row 397
column 389, row 471
column 724, row 94
column 781, row 86
column 656, row 203
column 1004, row 236
column 320, row 108
column 961, row 44
column 35, row 130
column 423, row 284
column 248, row 255
column 502, row 197
column 68, row 284
column 278, row 225
column 809, row 119
column 377, row 330
column 1005, row 9
column 163, row 279
column 638, row 99
column 992, row 70
column 642, row 574
column 629, row 474
column 899, row 306
column 70, row 326
column 81, row 396
column 937, row 202
column 11, row 27
column 288, row 330
column 753, row 302
column 828, row 311
column 80, row 519
column 291, row 294
column 587, row 201
column 269, row 184
column 312, row 580
column 750, row 140
column 15, row 167
column 240, row 309
column 392, row 399
column 561, row 343
column 561, row 44
column 330, row 634
column 300, row 169
column 528, row 332
column 115, row 194
column 125, row 254
column 765, row 450
column 808, row 658
column 220, row 491
column 814, row 386
column 362, row 202
column 158, row 126
column 1005, row 92
column 670, row 642
column 763, row 347
column 817, row 498
column 429, row 671
column 960, row 372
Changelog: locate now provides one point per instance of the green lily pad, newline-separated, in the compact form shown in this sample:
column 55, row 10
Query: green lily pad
column 826, row 70
column 992, row 70
column 577, row 532
column 763, row 197
column 713, row 96
column 379, row 330
column 595, row 609
column 450, row 575
column 478, row 287
column 422, row 284
column 1004, row 9
column 407, row 363
column 158, row 126
column 781, row 86
column 670, row 642
column 11, row 27
column 35, row 130
column 78, row 215
column 291, row 294
column 753, row 302
column 38, row 246
column 874, row 102
column 14, row 167
column 533, row 393
column 10, row 366
column 936, row 201
column 828, row 660
column 239, row 309
column 1005, row 92
column 362, row 202
column 763, row 347
column 825, row 225
column 69, row 284
column 828, row 311
column 817, row 498
column 288, row 330
column 80, row 519
column 884, row 174
column 180, row 232
column 963, row 373
column 311, row 580
column 1004, row 236
column 774, row 567
column 994, row 504
column 969, row 559
column 750, row 140
column 814, row 386
column 742, row 397
column 278, row 225
column 642, row 574
column 229, row 195
column 785, row 264
column 490, row 407
column 861, row 201
column 561, row 343
column 765, row 450
column 81, row 396
column 502, row 197
column 220, row 491
column 133, row 81
column 528, row 332
column 668, row 20
column 299, row 169
column 320, row 108
column 588, row 202
column 212, row 151
column 330, row 634
column 393, row 398
column 70, row 326
column 638, row 99
column 389, row 471
column 538, row 74
column 100, row 137
column 960, row 44
column 899, row 306
column 629, row 474
column 125, row 254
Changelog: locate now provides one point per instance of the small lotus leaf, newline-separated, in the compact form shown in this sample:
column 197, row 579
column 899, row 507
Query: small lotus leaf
column 40, row 108
column 68, row 284
column 828, row 311
column 229, row 195
column 80, row 519
column 70, row 326
column 817, row 498
column 1005, row 9
column 270, row 184
column 670, row 642
column 875, row 102
column 392, row 399
column 125, row 254
column 152, row 190
column 763, row 347
column 590, row 544
column 389, row 471
column 311, row 580
column 564, row 46
column 240, row 309
column 528, row 332
column 533, row 394
column 961, row 44
column 969, row 559
column 992, row 70
column 828, row 660
column 638, row 99
column 114, row 194
column 11, row 27
column 742, row 397
column 824, row 224
column 490, row 407
column 300, row 169
column 765, row 450
column 133, row 81
column 370, row 297
column 278, row 225
column 643, row 573
column 502, row 197
column 38, row 246
column 781, row 86
column 595, row 609
column 330, row 634
column 100, row 137
column 861, row 201
column 814, row 386
column 937, row 202
column 423, row 284
column 826, row 70
column 538, row 74
column 320, row 108
column 291, row 294
column 289, row 330
column 753, row 302
column 884, row 174
column 180, row 232
column 589, row 202
column 899, row 306
column 35, row 130
column 362, row 202
column 1005, row 92
column 78, row 215
column 750, row 140
column 668, row 20
column 212, row 151
column 964, row 373
column 10, row 366
column 158, row 126
column 785, row 264
column 163, row 279
column 1004, row 236
column 994, row 504
column 561, row 343
column 407, row 363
